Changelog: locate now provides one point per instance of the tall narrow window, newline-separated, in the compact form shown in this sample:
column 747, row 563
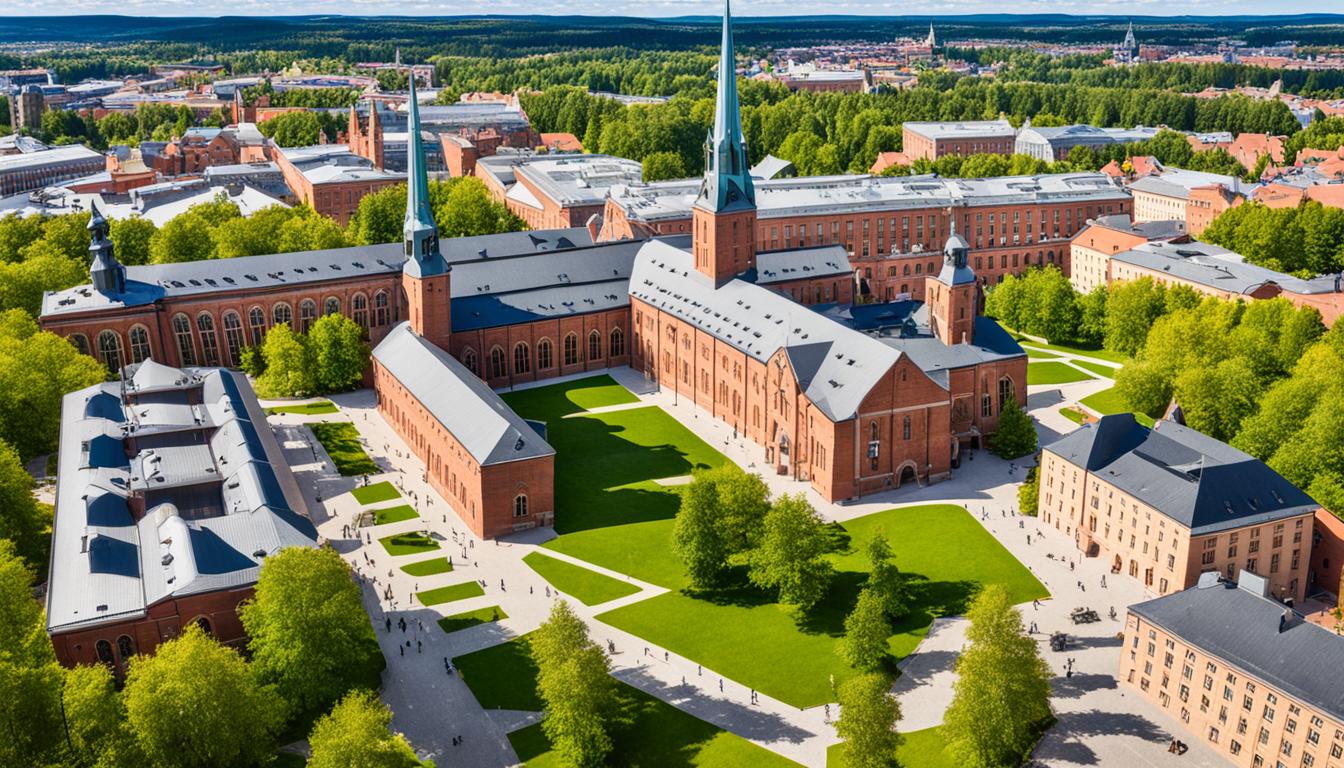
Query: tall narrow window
column 307, row 314
column 257, row 319
column 497, row 369
column 617, row 346
column 109, row 350
column 186, row 347
column 571, row 349
column 544, row 354
column 233, row 337
column 139, row 344
column 360, row 303
column 281, row 313
column 1005, row 391
column 380, row 314
column 522, row 359
column 205, row 322
column 520, row 505
column 469, row 360
column 594, row 346
column 80, row 341
column 332, row 306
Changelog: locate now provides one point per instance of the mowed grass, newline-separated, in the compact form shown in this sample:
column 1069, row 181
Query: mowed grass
column 759, row 643
column 1039, row 354
column 412, row 543
column 450, row 594
column 469, row 619
column 430, row 567
column 919, row 749
column 1097, row 352
column 1108, row 401
column 394, row 514
column 305, row 409
column 341, row 442
column 372, row 494
column 1072, row 414
column 1054, row 373
column 558, row 400
column 590, row 587
column 503, row 676
column 1101, row 369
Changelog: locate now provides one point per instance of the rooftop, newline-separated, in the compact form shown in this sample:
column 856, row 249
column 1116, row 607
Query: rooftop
column 25, row 161
column 569, row 180
column 962, row 129
column 1216, row 267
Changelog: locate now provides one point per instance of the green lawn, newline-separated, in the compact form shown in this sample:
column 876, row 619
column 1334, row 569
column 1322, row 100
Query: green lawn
column 394, row 514
column 1108, row 401
column 472, row 618
column 1054, row 373
column 411, row 543
column 1098, row 353
column 503, row 676
column 590, row 587
column 450, row 593
column 341, row 442
column 430, row 567
column 372, row 494
column 558, row 400
column 1037, row 354
column 920, row 749
column 1101, row 369
column 1072, row 414
column 306, row 409
column 764, row 645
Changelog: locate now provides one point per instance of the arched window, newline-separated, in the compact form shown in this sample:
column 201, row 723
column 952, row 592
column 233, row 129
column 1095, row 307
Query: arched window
column 571, row 349
column 872, row 431
column 594, row 346
column 520, row 505
column 919, row 269
column 80, row 341
column 281, row 313
column 617, row 346
column 1005, row 391
column 380, row 309
column 307, row 314
column 186, row 347
column 256, row 318
column 104, row 651
column 125, row 648
column 139, row 344
column 522, row 359
column 905, row 428
column 360, row 302
column 205, row 322
column 469, row 360
column 109, row 350
column 204, row 624
column 544, row 354
column 497, row 369
column 906, row 270
column 332, row 306
column 986, row 406
column 233, row 337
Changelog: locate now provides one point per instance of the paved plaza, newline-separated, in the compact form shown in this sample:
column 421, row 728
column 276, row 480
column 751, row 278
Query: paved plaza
column 1098, row 723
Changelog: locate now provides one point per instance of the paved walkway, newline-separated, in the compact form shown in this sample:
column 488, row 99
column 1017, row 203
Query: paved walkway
column 1098, row 723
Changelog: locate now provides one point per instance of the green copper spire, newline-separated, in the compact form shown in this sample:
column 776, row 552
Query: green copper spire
column 727, row 184
column 420, row 233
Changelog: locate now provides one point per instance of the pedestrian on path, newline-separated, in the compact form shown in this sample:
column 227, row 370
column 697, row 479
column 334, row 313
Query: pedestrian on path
column 720, row 685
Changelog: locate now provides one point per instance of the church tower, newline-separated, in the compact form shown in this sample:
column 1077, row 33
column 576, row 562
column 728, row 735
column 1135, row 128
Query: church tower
column 107, row 274
column 951, row 295
column 723, row 219
column 426, row 275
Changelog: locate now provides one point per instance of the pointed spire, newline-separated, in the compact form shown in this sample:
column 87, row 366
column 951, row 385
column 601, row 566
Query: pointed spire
column 106, row 273
column 419, row 230
column 727, row 175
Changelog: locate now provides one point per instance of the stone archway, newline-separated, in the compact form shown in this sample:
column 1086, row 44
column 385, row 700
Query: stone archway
column 907, row 473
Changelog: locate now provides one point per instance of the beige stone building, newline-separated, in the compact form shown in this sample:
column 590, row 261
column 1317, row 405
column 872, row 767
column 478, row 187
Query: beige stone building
column 1166, row 504
column 1244, row 675
column 1091, row 249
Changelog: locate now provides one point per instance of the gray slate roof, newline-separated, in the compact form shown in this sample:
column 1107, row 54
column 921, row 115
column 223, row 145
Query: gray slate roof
column 1215, row 267
column 1304, row 661
column 1201, row 483
column 457, row 398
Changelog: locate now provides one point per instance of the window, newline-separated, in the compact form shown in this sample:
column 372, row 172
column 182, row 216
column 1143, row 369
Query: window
column 617, row 346
column 1005, row 391
column 497, row 369
column 905, row 428
column 543, row 354
column 281, row 313
column 520, row 505
column 186, row 348
column 380, row 314
column 80, row 341
column 139, row 344
column 204, row 624
column 571, row 349
column 205, row 322
column 233, row 337
column 360, row 305
column 469, row 360
column 125, row 647
column 522, row 358
column 332, row 306
column 307, row 314
column 986, row 406
column 257, row 319
column 109, row 350
column 104, row 651
column 594, row 346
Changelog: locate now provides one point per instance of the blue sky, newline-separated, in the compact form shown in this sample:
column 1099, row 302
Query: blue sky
column 656, row 8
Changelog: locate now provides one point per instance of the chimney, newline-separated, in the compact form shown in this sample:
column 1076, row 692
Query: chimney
column 594, row 225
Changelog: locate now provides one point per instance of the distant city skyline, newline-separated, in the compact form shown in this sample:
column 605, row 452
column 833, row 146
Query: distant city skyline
column 669, row 8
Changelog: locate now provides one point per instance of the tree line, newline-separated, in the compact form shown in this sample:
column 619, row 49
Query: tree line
column 1306, row 241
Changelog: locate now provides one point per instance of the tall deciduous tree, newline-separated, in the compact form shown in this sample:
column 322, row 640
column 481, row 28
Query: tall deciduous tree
column 1001, row 697
column 195, row 703
column 864, row 645
column 885, row 579
column 357, row 734
column 307, row 629
column 1131, row 309
column 37, row 369
column 289, row 371
column 867, row 724
column 131, row 238
column 95, row 719
column 339, row 354
column 22, row 520
column 721, row 515
column 30, row 680
column 789, row 558
column 1016, row 434
column 574, row 680
column 1029, row 493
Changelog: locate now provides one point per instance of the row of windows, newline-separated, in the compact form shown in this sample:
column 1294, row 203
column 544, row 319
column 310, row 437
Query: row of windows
column 523, row 360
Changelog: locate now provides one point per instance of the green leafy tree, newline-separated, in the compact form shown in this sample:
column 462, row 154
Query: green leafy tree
column 131, row 238
column 790, row 555
column 289, row 371
column 1016, row 433
column 1029, row 492
column 37, row 368
column 95, row 719
column 1131, row 309
column 338, row 352
column 292, row 129
column 721, row 515
column 24, row 521
column 357, row 733
column 469, row 210
column 195, row 703
column 574, row 680
column 30, row 680
column 23, row 284
column 885, row 579
column 660, row 166
column 864, row 645
column 185, row 237
column 1001, row 697
column 867, row 723
column 307, row 629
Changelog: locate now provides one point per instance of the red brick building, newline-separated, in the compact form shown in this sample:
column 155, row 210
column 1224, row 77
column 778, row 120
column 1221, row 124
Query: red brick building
column 931, row 141
column 331, row 179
